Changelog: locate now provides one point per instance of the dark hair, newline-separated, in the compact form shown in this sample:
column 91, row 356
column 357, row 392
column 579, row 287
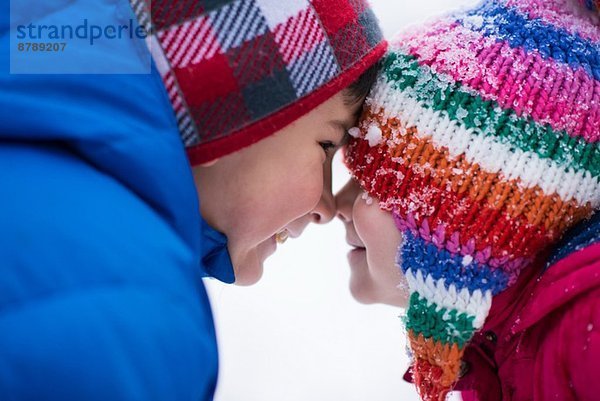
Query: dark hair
column 359, row 89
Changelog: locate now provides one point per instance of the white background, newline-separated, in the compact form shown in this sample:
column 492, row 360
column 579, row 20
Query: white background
column 298, row 335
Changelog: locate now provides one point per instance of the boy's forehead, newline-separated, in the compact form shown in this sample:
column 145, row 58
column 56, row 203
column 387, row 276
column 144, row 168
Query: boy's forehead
column 343, row 113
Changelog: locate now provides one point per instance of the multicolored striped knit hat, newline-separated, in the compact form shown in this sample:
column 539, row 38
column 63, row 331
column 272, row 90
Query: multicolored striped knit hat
column 239, row 70
column 482, row 137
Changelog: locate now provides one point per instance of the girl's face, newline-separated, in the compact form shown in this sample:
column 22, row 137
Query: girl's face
column 375, row 275
column 274, row 187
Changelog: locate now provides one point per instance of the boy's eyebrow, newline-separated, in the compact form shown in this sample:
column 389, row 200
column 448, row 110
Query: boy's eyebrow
column 345, row 125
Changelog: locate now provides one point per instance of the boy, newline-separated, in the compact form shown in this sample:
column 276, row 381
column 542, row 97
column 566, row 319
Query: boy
column 241, row 71
column 103, row 241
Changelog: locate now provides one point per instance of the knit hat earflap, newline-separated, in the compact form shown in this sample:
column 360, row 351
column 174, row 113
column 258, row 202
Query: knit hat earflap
column 481, row 136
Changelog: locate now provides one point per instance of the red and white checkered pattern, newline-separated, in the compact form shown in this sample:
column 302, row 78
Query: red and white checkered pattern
column 239, row 70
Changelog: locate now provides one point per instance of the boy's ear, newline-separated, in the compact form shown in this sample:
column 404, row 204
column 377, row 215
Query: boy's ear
column 210, row 163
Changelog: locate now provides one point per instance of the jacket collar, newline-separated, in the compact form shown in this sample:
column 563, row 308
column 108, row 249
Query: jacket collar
column 562, row 282
column 215, row 259
column 556, row 278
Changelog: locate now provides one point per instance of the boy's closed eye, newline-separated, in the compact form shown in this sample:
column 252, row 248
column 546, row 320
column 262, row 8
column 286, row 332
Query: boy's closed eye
column 331, row 147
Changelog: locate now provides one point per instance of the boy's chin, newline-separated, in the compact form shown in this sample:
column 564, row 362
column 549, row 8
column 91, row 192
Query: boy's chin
column 248, row 274
column 249, row 267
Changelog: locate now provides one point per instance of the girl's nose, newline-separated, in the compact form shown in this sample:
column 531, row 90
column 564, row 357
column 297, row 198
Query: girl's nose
column 344, row 200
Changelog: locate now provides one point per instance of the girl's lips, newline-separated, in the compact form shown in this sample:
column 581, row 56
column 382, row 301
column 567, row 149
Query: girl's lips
column 357, row 257
column 352, row 237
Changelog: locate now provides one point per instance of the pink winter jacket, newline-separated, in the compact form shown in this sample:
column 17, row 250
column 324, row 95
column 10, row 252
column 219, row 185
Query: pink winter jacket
column 541, row 341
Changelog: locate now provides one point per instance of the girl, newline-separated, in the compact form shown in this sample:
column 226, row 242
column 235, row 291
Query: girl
column 477, row 151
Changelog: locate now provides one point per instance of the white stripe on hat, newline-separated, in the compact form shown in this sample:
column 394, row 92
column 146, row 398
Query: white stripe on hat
column 477, row 304
column 486, row 151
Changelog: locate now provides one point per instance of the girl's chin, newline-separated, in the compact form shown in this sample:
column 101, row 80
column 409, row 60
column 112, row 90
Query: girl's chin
column 368, row 289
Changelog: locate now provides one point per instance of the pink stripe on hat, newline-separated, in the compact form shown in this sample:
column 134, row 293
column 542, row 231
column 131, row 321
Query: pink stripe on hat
column 553, row 12
column 551, row 93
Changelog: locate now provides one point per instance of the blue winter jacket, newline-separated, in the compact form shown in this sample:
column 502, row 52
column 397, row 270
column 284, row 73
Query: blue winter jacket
column 102, row 247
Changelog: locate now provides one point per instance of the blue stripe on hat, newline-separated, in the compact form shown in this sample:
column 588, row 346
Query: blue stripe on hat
column 507, row 24
column 418, row 254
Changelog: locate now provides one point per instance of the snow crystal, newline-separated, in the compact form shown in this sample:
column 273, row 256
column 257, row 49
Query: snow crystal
column 374, row 135
column 461, row 113
column 354, row 132
column 590, row 327
column 467, row 259
column 474, row 21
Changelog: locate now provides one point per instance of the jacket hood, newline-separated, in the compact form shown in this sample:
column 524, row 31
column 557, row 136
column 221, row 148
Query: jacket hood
column 573, row 269
column 122, row 124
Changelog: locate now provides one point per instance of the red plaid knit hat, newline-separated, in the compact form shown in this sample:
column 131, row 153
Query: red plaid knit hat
column 237, row 71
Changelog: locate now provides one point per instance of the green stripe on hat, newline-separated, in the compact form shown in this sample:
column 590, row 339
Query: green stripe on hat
column 441, row 324
column 419, row 82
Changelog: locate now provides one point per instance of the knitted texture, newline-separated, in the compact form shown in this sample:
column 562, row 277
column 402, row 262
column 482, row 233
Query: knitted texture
column 237, row 71
column 481, row 136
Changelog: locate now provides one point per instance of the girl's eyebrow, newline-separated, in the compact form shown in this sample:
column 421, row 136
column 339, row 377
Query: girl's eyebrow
column 344, row 126
column 345, row 139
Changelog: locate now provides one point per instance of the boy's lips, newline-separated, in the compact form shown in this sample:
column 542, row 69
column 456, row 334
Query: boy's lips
column 269, row 246
column 282, row 236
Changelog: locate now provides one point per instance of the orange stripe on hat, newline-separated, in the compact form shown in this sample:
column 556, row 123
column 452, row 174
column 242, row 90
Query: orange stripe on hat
column 465, row 178
column 445, row 356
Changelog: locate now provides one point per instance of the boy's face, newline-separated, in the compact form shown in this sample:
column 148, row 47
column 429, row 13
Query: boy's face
column 278, row 185
column 375, row 276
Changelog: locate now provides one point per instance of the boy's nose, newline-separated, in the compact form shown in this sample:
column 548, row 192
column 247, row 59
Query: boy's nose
column 344, row 200
column 324, row 212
